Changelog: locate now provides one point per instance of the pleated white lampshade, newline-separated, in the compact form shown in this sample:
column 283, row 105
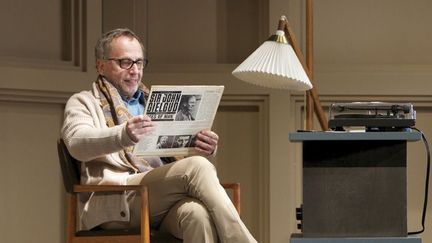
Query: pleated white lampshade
column 275, row 65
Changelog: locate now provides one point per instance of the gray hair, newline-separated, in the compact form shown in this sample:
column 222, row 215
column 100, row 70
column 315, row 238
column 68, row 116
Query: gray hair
column 103, row 46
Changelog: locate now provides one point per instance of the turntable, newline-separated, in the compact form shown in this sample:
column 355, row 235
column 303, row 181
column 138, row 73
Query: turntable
column 373, row 116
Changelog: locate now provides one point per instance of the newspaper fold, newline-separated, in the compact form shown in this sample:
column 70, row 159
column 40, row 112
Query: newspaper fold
column 179, row 113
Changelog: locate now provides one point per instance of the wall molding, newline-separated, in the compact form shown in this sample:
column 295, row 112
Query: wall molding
column 73, row 41
column 34, row 96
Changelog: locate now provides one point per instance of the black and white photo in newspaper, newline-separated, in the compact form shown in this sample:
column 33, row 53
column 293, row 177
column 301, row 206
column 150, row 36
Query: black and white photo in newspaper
column 179, row 113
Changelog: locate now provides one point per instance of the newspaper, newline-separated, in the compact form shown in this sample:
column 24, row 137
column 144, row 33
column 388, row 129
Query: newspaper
column 179, row 113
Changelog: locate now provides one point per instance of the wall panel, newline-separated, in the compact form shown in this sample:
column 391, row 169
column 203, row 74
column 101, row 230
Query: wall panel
column 242, row 125
column 30, row 41
column 215, row 32
column 32, row 201
column 56, row 38
column 373, row 32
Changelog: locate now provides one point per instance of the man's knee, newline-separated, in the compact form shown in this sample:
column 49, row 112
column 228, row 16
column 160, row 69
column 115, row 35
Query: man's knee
column 199, row 164
column 198, row 174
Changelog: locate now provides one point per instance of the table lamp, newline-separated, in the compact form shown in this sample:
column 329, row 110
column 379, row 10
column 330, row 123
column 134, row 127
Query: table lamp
column 279, row 63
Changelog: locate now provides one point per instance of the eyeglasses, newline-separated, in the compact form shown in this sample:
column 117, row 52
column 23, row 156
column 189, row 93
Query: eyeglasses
column 127, row 63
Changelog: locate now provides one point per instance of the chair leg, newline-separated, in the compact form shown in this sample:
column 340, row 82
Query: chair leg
column 71, row 218
column 145, row 222
column 235, row 187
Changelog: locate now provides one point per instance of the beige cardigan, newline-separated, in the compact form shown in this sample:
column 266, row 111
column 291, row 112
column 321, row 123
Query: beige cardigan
column 91, row 141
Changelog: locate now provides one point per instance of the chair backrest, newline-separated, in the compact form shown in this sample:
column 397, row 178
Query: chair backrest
column 69, row 167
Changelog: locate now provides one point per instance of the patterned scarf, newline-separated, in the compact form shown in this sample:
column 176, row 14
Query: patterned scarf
column 116, row 113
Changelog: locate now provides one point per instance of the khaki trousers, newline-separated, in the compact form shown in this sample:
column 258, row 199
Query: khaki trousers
column 187, row 200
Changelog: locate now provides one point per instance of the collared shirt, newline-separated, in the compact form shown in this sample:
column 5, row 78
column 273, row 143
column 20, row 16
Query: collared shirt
column 135, row 105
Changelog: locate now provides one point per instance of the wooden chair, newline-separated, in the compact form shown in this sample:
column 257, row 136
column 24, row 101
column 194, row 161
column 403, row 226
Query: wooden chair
column 71, row 180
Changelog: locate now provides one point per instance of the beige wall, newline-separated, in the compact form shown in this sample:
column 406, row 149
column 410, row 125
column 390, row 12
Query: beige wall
column 364, row 50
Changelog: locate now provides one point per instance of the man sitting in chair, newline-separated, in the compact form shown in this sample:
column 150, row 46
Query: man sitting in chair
column 100, row 128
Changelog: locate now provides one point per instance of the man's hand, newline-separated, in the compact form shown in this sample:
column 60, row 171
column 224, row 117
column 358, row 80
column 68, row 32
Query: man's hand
column 206, row 142
column 139, row 126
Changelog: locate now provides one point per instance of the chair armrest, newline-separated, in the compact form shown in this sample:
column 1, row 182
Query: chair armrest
column 145, row 222
column 108, row 188
column 235, row 187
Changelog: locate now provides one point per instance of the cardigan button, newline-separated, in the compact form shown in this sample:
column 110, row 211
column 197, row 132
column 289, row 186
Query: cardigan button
column 123, row 214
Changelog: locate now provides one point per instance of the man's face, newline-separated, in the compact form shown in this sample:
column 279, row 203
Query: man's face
column 164, row 140
column 125, row 80
column 191, row 103
column 182, row 141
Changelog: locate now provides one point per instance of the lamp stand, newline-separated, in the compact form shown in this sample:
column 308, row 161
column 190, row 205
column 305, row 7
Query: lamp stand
column 309, row 110
column 312, row 99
